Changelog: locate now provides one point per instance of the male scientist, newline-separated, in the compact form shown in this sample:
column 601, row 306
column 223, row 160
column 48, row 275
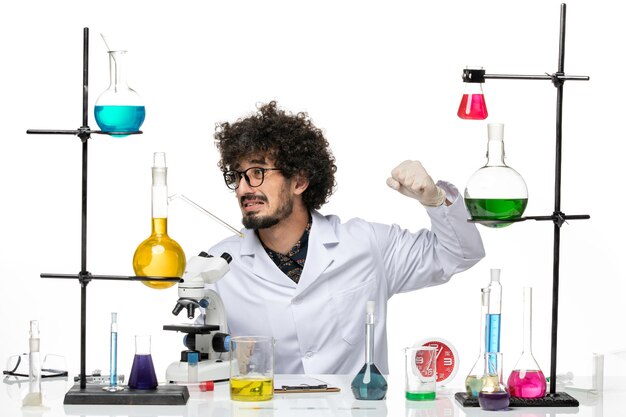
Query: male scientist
column 304, row 278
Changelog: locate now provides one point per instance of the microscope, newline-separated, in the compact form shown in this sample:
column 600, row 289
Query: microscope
column 209, row 339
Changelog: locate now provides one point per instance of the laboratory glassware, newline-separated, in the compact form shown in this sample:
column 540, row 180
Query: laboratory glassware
column 495, row 192
column 159, row 255
column 493, row 395
column 474, row 381
column 369, row 383
column 113, row 382
column 473, row 106
column 492, row 338
column 420, row 365
column 142, row 374
column 526, row 380
column 119, row 108
column 251, row 368
column 33, row 398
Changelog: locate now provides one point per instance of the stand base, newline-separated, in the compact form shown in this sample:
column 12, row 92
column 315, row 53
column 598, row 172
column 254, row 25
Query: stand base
column 559, row 399
column 94, row 394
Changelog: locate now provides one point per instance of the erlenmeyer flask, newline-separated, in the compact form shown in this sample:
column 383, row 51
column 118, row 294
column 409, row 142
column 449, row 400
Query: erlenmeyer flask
column 526, row 379
column 496, row 191
column 159, row 255
column 474, row 381
column 142, row 374
column 473, row 106
column 119, row 108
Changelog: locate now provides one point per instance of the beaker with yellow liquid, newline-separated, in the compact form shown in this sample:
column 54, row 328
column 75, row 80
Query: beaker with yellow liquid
column 251, row 368
column 159, row 255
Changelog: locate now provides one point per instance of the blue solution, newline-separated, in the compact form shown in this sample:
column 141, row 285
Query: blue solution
column 142, row 375
column 369, row 384
column 120, row 118
column 113, row 359
column 492, row 336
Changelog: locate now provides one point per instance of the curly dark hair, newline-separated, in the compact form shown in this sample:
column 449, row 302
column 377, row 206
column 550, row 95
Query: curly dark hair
column 291, row 141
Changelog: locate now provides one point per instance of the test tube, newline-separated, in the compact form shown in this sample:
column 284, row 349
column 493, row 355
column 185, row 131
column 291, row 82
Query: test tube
column 113, row 385
column 192, row 367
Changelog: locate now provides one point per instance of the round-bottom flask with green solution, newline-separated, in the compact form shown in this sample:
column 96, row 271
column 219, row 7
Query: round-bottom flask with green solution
column 496, row 192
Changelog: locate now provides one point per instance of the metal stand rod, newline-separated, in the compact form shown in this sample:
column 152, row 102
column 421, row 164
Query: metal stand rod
column 557, row 204
column 84, row 280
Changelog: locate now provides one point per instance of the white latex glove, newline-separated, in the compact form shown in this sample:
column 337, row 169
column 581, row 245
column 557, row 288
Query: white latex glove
column 411, row 179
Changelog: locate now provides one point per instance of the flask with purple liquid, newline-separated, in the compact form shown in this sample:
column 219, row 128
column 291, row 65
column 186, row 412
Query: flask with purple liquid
column 142, row 374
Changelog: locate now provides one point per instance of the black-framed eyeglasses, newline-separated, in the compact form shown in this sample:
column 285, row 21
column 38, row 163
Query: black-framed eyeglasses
column 254, row 177
column 52, row 366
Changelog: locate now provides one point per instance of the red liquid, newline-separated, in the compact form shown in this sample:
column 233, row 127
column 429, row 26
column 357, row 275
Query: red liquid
column 532, row 385
column 142, row 375
column 476, row 110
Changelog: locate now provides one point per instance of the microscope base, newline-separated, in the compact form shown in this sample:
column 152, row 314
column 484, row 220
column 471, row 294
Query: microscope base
column 208, row 370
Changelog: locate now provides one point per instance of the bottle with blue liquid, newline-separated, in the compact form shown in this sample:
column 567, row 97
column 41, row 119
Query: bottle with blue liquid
column 119, row 108
column 369, row 383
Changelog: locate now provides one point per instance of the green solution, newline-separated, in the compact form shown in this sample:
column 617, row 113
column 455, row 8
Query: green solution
column 485, row 209
column 420, row 396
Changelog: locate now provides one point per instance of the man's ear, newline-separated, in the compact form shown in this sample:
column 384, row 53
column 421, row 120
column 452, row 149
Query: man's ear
column 301, row 181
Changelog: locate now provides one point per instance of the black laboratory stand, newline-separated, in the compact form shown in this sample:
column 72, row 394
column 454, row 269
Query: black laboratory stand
column 82, row 394
column 552, row 398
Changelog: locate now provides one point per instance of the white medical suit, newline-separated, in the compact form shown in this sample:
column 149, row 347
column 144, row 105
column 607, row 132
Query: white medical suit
column 318, row 323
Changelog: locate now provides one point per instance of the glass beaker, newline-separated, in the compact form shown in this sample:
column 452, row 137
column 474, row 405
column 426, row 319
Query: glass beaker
column 473, row 106
column 495, row 192
column 159, row 255
column 493, row 395
column 142, row 374
column 474, row 380
column 420, row 366
column 251, row 368
column 119, row 108
column 526, row 379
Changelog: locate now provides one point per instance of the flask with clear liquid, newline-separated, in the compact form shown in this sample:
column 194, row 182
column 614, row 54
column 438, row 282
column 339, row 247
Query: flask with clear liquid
column 526, row 379
column 159, row 255
column 474, row 381
column 369, row 383
column 119, row 108
column 496, row 192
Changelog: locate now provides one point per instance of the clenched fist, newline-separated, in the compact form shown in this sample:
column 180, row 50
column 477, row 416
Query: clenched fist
column 411, row 179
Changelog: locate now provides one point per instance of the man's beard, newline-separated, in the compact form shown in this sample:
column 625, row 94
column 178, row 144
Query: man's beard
column 263, row 222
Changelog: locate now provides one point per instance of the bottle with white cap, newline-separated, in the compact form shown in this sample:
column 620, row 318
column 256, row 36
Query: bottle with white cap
column 369, row 383
column 496, row 192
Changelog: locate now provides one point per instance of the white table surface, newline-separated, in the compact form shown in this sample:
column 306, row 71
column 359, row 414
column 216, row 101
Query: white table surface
column 218, row 404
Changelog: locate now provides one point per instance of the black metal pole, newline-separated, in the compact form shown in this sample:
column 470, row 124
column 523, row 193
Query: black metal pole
column 557, row 204
column 83, row 255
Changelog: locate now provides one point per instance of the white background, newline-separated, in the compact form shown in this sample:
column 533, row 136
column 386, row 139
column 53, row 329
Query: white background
column 383, row 79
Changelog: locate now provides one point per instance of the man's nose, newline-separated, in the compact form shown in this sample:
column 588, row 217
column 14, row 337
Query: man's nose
column 244, row 187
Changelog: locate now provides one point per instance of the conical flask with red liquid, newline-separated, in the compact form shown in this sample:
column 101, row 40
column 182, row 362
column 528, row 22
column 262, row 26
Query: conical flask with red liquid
column 526, row 379
column 473, row 106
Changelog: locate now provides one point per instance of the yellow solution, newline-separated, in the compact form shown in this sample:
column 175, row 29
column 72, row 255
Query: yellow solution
column 251, row 389
column 159, row 256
